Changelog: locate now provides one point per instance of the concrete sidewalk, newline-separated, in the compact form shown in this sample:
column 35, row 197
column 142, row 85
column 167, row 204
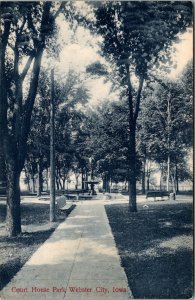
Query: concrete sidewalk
column 78, row 261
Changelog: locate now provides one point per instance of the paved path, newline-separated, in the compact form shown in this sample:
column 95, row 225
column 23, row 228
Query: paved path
column 78, row 261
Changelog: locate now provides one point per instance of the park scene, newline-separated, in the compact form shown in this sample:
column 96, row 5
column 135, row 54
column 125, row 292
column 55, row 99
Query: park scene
column 96, row 150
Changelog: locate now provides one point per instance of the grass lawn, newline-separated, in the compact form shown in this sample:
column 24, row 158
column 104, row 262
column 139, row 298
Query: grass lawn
column 155, row 246
column 14, row 252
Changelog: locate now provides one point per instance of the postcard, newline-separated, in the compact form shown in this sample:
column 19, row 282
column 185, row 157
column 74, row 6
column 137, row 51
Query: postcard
column 96, row 152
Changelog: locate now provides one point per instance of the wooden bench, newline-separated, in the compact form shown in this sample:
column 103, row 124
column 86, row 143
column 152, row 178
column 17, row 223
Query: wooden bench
column 78, row 197
column 85, row 197
column 44, row 198
column 124, row 192
column 64, row 206
column 3, row 190
column 72, row 196
column 155, row 194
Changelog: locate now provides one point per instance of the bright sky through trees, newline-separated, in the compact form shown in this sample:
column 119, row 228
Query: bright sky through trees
column 80, row 48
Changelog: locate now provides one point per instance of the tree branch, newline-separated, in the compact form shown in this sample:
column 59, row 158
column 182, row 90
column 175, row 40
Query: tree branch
column 62, row 5
column 32, row 27
column 22, row 26
column 138, row 98
column 11, row 46
column 130, row 99
column 159, row 81
column 5, row 36
column 28, row 106
column 27, row 66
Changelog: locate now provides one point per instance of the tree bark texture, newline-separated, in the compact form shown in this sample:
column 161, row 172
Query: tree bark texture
column 13, row 218
column 132, row 171
column 14, row 141
column 39, row 178
column 148, row 183
column 134, row 105
column 2, row 169
column 143, row 176
column 168, row 172
column 52, row 152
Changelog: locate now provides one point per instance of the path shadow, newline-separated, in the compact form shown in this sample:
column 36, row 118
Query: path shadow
column 155, row 246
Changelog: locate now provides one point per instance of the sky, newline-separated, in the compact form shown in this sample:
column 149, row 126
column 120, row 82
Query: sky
column 80, row 49
column 184, row 52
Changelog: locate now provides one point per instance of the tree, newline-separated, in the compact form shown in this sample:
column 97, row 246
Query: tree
column 108, row 143
column 26, row 28
column 136, row 36
column 69, row 94
column 166, row 123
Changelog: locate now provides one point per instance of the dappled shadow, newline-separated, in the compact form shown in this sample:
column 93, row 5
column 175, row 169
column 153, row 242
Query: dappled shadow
column 5, row 275
column 155, row 246
column 30, row 213
column 20, row 244
column 83, row 241
column 15, row 251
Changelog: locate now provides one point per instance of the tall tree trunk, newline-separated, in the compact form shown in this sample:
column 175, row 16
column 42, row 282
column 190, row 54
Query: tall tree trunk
column 27, row 176
column 161, row 177
column 132, row 171
column 110, row 183
column 144, row 176
column 13, row 218
column 39, row 179
column 33, row 183
column 173, row 177
column 173, row 184
column 148, row 183
column 168, row 172
column 3, row 178
column 177, row 180
column 21, row 122
column 77, row 181
column 134, row 105
column 60, row 183
column 52, row 151
column 47, row 179
column 57, row 184
column 82, row 178
column 104, row 183
column 63, row 183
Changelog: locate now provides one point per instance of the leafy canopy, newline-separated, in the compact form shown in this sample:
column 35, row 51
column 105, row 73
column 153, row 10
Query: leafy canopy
column 137, row 32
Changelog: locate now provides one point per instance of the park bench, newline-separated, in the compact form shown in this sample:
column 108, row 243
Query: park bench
column 78, row 191
column 114, row 190
column 44, row 198
column 78, row 197
column 63, row 206
column 125, row 192
column 155, row 194
column 72, row 196
column 3, row 190
column 85, row 197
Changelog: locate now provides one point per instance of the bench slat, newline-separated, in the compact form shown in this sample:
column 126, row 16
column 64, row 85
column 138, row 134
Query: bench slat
column 67, row 206
column 154, row 194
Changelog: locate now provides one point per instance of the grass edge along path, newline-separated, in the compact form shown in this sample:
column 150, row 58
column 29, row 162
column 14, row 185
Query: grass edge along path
column 155, row 245
column 16, row 251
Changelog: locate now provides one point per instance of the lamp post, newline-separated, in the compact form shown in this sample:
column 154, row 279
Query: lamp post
column 52, row 152
column 168, row 139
